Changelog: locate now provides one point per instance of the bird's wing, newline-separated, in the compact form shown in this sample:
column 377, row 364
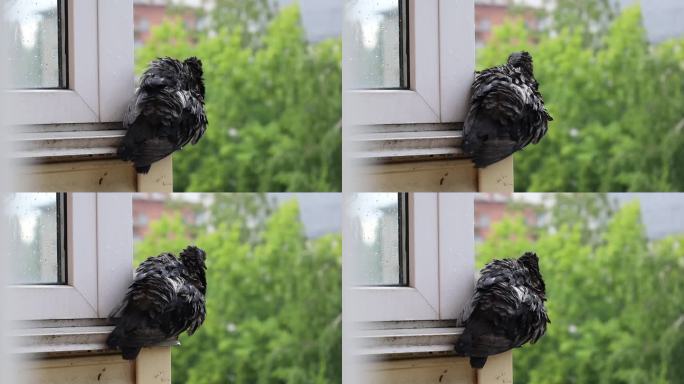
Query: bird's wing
column 506, row 114
column 144, row 309
column 505, row 314
column 153, row 123
column 155, row 285
column 539, row 117
column 496, row 91
column 493, row 118
column 188, row 311
column 193, row 123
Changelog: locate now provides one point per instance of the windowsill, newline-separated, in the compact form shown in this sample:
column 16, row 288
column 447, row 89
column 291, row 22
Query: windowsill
column 64, row 338
column 397, row 143
column 66, row 142
column 400, row 340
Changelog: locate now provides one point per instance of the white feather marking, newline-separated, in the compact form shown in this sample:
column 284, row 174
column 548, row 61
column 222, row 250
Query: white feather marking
column 521, row 292
column 177, row 283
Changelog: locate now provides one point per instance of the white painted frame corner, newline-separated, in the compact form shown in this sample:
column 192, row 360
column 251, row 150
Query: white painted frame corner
column 441, row 264
column 100, row 59
column 457, row 57
column 99, row 263
column 420, row 103
column 442, row 63
column 114, row 249
column 456, row 253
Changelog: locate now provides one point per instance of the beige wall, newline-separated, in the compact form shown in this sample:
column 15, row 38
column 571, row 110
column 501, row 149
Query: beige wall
column 437, row 176
column 441, row 370
column 94, row 176
column 153, row 366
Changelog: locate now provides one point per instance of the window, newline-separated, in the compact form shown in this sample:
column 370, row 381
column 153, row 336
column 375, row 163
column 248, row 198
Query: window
column 483, row 221
column 411, row 61
column 37, row 51
column 143, row 25
column 380, row 238
column 484, row 25
column 407, row 78
column 37, row 247
column 96, row 254
column 73, row 65
column 379, row 46
column 440, row 262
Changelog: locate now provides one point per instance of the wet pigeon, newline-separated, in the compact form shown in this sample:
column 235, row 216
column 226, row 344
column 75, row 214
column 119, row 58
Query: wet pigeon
column 165, row 299
column 506, row 111
column 166, row 113
column 506, row 311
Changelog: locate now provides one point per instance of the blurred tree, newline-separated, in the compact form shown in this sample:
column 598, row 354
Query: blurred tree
column 591, row 18
column 251, row 16
column 618, row 108
column 273, row 303
column 250, row 209
column 615, row 305
column 274, row 110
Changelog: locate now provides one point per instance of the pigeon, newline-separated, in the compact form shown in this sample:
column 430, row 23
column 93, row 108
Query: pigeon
column 506, row 311
column 165, row 299
column 506, row 112
column 166, row 113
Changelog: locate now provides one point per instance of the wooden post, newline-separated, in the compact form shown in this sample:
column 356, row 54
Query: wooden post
column 159, row 179
column 497, row 177
column 498, row 370
column 153, row 366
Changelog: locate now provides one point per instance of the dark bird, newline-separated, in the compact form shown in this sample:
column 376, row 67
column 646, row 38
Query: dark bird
column 166, row 113
column 506, row 111
column 165, row 299
column 506, row 311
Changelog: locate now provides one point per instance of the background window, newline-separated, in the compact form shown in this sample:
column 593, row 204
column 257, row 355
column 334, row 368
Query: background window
column 380, row 233
column 379, row 43
column 37, row 250
column 37, row 43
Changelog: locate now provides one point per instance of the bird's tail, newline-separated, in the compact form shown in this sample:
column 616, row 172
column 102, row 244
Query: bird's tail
column 144, row 169
column 114, row 342
column 114, row 338
column 126, row 154
column 130, row 353
column 123, row 152
column 120, row 338
column 477, row 362
column 493, row 151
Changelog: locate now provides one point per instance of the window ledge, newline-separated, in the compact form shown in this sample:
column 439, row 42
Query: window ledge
column 407, row 342
column 59, row 341
column 66, row 142
column 386, row 144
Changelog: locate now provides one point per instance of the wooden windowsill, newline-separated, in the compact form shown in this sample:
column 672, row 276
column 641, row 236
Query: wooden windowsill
column 70, row 340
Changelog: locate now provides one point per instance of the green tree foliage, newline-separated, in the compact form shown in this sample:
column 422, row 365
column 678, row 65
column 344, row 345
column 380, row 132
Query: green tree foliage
column 273, row 301
column 274, row 109
column 251, row 15
column 615, row 304
column 618, row 108
column 591, row 18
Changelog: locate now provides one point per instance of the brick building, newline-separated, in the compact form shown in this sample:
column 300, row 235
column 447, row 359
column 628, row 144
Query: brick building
column 493, row 207
column 149, row 13
column 491, row 13
column 148, row 207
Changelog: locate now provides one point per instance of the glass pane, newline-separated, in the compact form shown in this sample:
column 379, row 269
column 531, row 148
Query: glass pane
column 377, row 31
column 379, row 235
column 36, row 222
column 36, row 43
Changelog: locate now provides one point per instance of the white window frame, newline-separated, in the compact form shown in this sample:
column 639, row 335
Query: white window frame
column 100, row 59
column 442, row 61
column 441, row 264
column 99, row 263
